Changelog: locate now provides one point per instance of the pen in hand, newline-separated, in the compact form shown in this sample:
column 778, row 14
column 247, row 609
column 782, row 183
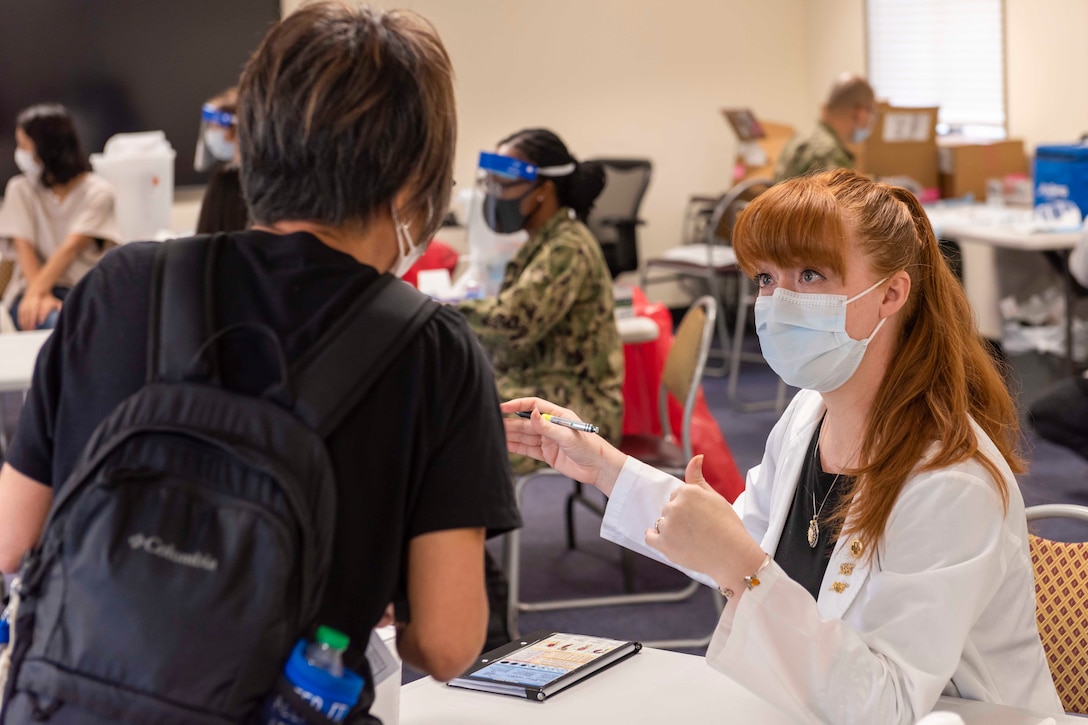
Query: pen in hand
column 585, row 427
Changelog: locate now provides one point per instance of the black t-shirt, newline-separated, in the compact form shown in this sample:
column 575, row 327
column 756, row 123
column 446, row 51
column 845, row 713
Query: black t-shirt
column 424, row 451
column 805, row 564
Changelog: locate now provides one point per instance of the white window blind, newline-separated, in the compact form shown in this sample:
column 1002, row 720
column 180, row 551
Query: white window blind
column 948, row 53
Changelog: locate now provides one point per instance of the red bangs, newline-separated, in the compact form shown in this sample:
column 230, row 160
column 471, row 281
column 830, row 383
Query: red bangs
column 793, row 224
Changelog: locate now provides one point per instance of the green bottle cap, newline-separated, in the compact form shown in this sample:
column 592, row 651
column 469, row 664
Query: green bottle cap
column 334, row 638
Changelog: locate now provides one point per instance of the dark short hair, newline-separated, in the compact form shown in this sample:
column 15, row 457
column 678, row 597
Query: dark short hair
column 50, row 127
column 849, row 92
column 339, row 109
column 579, row 189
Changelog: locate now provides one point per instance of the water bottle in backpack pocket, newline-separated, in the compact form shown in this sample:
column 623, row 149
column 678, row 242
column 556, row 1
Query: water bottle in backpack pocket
column 316, row 673
column 5, row 630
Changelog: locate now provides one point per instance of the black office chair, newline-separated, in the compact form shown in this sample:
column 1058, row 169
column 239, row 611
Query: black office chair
column 614, row 218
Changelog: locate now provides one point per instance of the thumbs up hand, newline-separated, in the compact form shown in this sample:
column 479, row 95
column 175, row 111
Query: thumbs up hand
column 699, row 530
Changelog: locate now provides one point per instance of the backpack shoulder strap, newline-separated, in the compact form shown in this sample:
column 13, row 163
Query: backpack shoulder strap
column 332, row 377
column 182, row 310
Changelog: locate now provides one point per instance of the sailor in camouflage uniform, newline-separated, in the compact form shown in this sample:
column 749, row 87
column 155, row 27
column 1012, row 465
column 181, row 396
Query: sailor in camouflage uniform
column 551, row 331
column 848, row 116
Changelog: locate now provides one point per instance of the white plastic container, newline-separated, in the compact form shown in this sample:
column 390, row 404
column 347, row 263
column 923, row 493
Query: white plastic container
column 141, row 168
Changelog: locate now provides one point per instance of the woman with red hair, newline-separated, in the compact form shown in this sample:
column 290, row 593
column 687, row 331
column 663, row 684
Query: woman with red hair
column 879, row 555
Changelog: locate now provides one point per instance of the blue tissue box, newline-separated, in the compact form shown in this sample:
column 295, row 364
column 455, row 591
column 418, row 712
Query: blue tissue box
column 1061, row 172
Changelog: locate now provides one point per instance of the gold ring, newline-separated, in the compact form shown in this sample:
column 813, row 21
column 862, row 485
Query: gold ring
column 657, row 524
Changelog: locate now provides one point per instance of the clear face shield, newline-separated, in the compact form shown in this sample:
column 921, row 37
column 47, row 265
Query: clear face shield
column 494, row 222
column 504, row 183
column 216, row 143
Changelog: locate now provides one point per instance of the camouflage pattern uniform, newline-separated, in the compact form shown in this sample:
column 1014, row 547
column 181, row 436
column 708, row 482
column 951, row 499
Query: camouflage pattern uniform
column 551, row 333
column 819, row 151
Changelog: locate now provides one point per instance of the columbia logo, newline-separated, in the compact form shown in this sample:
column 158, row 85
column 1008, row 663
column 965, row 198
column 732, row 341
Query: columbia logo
column 157, row 547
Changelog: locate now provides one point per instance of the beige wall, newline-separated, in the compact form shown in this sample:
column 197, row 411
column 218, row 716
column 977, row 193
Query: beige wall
column 625, row 77
column 834, row 44
column 647, row 77
column 1047, row 70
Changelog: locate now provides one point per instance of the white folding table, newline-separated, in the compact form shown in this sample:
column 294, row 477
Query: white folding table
column 653, row 687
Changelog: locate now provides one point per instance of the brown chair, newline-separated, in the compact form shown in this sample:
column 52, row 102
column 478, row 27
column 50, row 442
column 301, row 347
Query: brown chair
column 683, row 371
column 680, row 378
column 1061, row 603
column 7, row 270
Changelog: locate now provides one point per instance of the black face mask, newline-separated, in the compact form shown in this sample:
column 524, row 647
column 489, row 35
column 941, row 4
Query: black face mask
column 504, row 216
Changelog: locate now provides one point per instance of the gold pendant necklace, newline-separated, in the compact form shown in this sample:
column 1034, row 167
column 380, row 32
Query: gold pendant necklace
column 814, row 522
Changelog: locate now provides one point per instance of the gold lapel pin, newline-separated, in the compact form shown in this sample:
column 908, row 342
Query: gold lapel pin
column 846, row 569
column 839, row 587
column 856, row 547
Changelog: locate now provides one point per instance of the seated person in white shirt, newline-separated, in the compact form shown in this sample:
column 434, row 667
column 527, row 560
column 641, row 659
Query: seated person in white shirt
column 58, row 214
column 879, row 556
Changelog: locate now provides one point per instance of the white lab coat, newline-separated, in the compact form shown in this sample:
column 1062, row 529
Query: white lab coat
column 947, row 605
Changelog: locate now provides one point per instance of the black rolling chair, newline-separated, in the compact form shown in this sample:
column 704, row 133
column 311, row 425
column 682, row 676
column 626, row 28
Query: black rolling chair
column 614, row 219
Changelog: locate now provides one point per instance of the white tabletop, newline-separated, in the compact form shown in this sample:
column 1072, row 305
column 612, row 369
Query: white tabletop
column 18, row 353
column 653, row 687
column 996, row 226
column 635, row 329
column 1011, row 238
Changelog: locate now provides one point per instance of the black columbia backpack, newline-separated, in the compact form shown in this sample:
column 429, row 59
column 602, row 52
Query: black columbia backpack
column 188, row 550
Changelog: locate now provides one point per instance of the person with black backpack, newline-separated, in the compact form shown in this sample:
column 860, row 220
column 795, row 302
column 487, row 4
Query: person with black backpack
column 232, row 440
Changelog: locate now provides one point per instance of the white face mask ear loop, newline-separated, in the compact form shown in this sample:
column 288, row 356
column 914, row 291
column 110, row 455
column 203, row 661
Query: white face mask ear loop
column 859, row 295
column 882, row 319
column 876, row 330
column 402, row 232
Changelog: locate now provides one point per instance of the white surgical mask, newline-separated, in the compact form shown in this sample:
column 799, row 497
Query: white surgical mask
column 26, row 162
column 804, row 340
column 405, row 260
column 215, row 140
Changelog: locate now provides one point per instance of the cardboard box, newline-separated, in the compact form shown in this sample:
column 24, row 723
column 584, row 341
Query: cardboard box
column 903, row 144
column 966, row 166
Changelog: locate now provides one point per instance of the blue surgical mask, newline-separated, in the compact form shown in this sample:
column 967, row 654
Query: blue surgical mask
column 861, row 135
column 804, row 340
